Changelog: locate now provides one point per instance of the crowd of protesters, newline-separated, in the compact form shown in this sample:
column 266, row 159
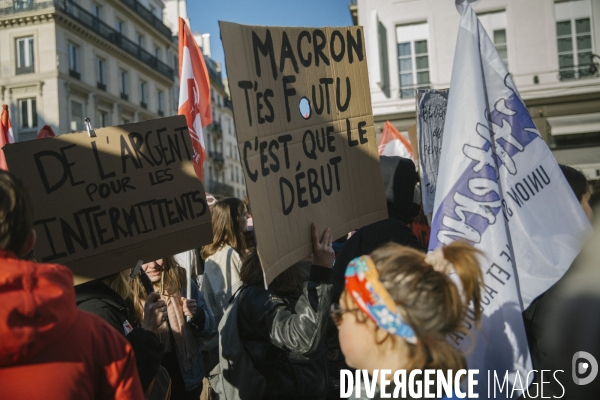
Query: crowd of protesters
column 371, row 300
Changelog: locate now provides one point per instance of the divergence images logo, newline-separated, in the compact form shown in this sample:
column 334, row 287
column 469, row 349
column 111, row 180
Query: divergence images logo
column 584, row 363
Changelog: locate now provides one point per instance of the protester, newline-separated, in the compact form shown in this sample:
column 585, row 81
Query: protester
column 580, row 187
column 49, row 348
column 282, row 328
column 106, row 298
column 182, row 359
column 223, row 259
column 249, row 234
column 574, row 326
column 399, row 180
column 537, row 316
column 399, row 306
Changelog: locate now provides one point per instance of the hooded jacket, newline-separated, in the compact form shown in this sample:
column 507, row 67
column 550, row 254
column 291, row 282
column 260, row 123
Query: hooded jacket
column 284, row 336
column 50, row 349
column 399, row 180
column 98, row 298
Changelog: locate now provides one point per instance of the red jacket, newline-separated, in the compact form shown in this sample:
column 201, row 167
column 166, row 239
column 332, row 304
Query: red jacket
column 51, row 350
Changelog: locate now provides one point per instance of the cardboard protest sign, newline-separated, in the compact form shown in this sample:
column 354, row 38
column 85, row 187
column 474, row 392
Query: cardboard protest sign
column 102, row 203
column 305, row 131
column 431, row 115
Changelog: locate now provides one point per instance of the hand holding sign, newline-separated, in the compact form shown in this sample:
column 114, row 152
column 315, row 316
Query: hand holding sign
column 155, row 312
column 323, row 254
column 189, row 307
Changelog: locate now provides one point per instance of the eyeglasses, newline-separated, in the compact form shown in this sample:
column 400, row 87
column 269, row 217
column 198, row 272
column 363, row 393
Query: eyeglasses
column 337, row 311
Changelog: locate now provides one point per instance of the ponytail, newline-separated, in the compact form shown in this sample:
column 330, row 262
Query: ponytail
column 464, row 259
column 429, row 300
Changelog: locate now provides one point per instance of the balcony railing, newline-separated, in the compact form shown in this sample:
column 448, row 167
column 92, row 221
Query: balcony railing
column 216, row 157
column 93, row 23
column 90, row 21
column 216, row 130
column 15, row 6
column 213, row 71
column 220, row 188
column 149, row 17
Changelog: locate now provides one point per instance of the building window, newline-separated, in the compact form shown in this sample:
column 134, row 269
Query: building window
column 413, row 58
column 24, row 55
column 97, row 10
column 175, row 98
column 101, row 73
column 574, row 48
column 384, row 74
column 74, row 61
column 28, row 113
column 160, row 96
column 103, row 118
column 143, row 94
column 500, row 43
column 139, row 39
column 120, row 26
column 494, row 24
column 157, row 52
column 76, row 116
column 124, row 81
column 574, row 37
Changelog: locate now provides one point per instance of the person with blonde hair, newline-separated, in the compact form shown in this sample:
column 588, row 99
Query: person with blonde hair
column 182, row 359
column 399, row 306
column 107, row 298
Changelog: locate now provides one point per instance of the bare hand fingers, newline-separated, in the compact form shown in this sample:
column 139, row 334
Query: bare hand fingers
column 326, row 238
column 152, row 297
column 314, row 236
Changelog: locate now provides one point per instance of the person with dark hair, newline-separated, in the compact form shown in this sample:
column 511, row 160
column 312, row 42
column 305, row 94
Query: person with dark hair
column 580, row 187
column 537, row 317
column 49, row 348
column 399, row 179
column 282, row 328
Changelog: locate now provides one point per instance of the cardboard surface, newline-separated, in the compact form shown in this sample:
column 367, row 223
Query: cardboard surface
column 323, row 169
column 103, row 203
column 431, row 116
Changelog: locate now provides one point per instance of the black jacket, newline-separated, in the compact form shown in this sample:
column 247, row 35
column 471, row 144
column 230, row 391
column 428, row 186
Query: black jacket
column 365, row 241
column 284, row 336
column 98, row 298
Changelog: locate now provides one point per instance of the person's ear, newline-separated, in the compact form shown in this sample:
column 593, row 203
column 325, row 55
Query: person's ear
column 29, row 243
column 381, row 335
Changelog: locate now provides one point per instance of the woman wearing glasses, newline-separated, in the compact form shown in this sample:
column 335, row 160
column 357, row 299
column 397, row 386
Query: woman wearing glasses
column 399, row 305
column 283, row 327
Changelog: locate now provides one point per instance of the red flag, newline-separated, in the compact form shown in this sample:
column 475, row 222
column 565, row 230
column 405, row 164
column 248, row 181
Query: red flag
column 194, row 93
column 392, row 143
column 6, row 135
column 45, row 132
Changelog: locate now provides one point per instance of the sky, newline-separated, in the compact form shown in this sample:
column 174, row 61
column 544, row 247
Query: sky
column 205, row 15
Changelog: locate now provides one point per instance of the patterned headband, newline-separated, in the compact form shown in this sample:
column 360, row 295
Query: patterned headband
column 372, row 298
